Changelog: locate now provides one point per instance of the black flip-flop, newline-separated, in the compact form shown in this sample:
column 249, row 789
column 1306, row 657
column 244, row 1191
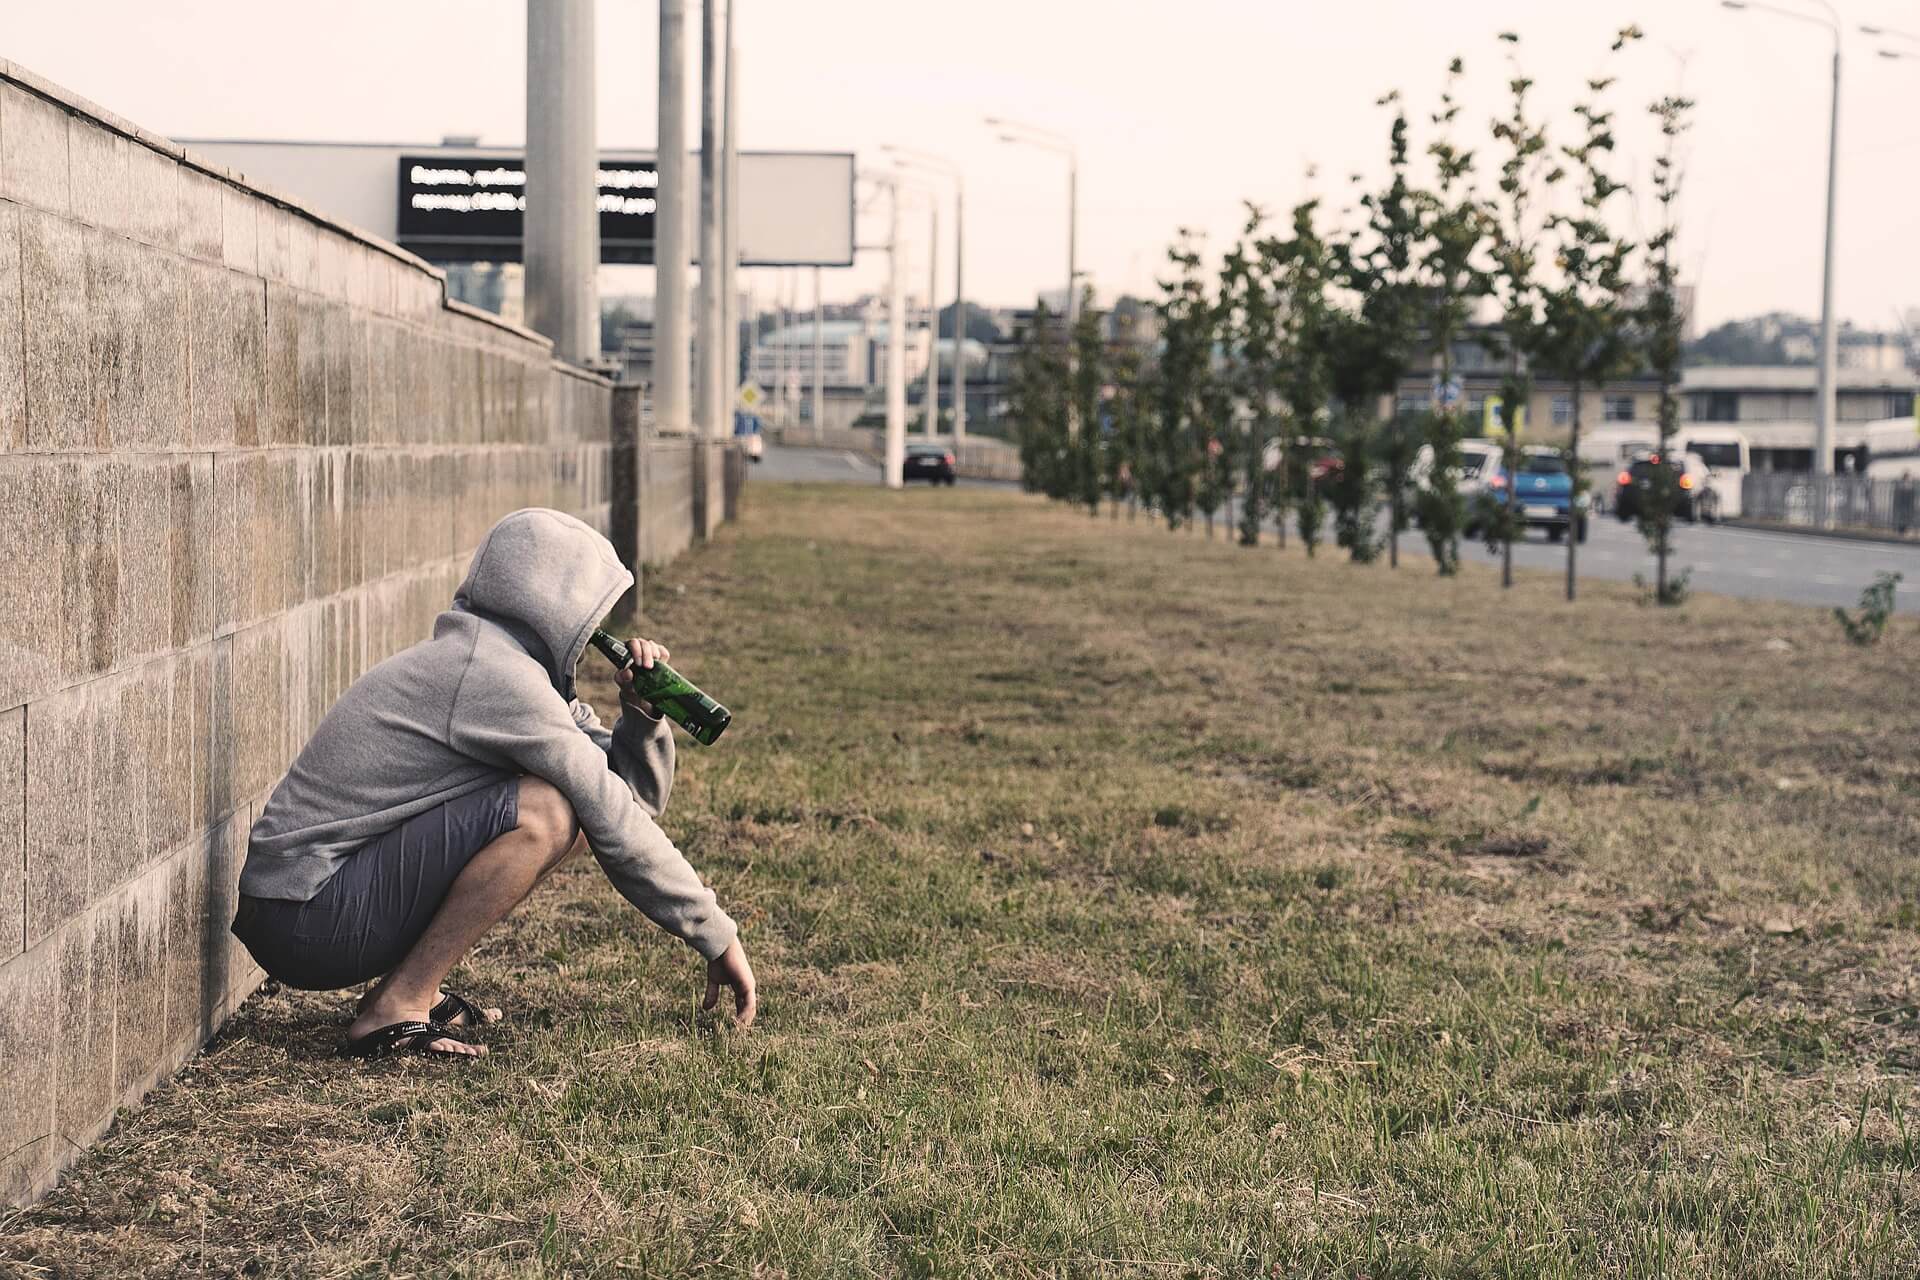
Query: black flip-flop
column 404, row 1037
column 452, row 1007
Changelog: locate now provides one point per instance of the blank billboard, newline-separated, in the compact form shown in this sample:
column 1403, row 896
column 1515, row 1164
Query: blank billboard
column 796, row 209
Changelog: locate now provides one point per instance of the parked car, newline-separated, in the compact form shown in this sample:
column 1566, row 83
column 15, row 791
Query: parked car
column 1693, row 497
column 1478, row 459
column 1542, row 492
column 930, row 462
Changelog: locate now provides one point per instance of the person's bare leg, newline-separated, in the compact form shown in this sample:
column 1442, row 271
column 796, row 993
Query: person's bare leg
column 496, row 881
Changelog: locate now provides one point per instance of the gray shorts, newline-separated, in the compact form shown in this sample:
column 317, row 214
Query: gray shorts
column 369, row 914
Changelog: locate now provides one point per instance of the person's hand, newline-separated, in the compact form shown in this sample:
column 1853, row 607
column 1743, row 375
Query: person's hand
column 645, row 654
column 730, row 969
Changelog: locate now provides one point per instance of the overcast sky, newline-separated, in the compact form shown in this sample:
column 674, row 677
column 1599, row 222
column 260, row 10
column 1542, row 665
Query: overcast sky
column 1180, row 111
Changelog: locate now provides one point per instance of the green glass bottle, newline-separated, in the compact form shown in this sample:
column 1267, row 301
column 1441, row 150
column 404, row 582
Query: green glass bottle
column 673, row 694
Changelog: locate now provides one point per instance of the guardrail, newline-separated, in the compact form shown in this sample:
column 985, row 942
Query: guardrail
column 1833, row 502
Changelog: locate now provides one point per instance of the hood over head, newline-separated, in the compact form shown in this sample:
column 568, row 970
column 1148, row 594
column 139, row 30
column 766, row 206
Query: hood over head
column 547, row 578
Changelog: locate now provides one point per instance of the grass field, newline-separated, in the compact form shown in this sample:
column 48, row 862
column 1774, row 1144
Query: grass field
column 1126, row 904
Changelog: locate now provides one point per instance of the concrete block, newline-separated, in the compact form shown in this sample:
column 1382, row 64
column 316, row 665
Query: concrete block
column 276, row 242
column 143, row 489
column 260, row 706
column 86, row 513
column 331, row 252
column 213, row 689
column 99, row 165
column 13, row 833
column 247, row 312
column 193, row 937
column 303, row 241
column 28, row 1037
column 240, row 229
column 337, row 326
column 114, row 338
column 83, row 1070
column 359, row 401
column 241, row 974
column 383, row 425
column 139, row 913
column 280, row 418
column 118, row 794
column 53, row 274
column 59, row 802
column 199, row 540
column 264, row 531
column 31, row 645
column 172, row 809
column 202, row 218
column 153, row 196
column 210, row 358
column 33, row 150
column 311, row 397
column 165, row 388
column 13, row 383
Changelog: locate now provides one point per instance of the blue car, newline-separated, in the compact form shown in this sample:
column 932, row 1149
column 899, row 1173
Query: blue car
column 1543, row 492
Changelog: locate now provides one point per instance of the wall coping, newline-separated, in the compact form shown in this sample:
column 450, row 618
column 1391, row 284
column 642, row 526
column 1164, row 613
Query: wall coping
column 67, row 100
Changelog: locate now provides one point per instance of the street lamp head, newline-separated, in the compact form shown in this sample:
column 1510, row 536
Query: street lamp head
column 1733, row 4
column 1869, row 30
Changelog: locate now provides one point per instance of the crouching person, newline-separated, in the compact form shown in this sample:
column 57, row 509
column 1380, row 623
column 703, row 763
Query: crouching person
column 448, row 781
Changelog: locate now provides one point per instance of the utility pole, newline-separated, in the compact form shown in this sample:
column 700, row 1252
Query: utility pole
column 896, row 345
column 672, row 338
column 708, row 350
column 1059, row 144
column 562, row 222
column 923, row 160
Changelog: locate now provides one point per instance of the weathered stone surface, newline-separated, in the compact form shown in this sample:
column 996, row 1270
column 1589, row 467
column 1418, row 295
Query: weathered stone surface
column 265, row 531
column 99, row 166
column 13, row 384
column 83, row 1081
column 199, row 549
column 192, row 992
column 143, row 489
column 31, row 646
column 202, row 213
column 118, row 795
column 139, row 980
column 28, row 1029
column 240, row 229
column 115, row 330
column 173, row 813
column 260, row 704
column 165, row 385
column 33, row 150
column 280, row 422
column 312, row 395
column 153, row 196
column 238, row 974
column 222, row 794
column 276, row 243
column 13, row 834
column 337, row 328
column 87, row 516
column 59, row 802
column 53, row 273
column 227, row 342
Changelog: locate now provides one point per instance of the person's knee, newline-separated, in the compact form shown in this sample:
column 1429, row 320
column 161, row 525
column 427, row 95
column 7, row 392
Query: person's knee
column 546, row 815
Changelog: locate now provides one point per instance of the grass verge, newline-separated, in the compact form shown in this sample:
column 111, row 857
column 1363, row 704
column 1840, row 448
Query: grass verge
column 1127, row 904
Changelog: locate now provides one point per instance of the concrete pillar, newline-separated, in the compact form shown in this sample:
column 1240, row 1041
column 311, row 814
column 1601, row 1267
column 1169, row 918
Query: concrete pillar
column 730, row 231
column 672, row 334
column 562, row 221
column 709, row 355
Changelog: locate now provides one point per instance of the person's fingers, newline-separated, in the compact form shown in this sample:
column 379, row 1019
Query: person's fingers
column 746, row 1002
column 642, row 651
column 713, row 992
column 665, row 653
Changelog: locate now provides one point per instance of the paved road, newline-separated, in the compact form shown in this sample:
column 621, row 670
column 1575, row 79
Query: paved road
column 1795, row 568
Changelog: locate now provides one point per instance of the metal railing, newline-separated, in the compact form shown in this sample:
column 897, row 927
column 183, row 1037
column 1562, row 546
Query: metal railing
column 1833, row 502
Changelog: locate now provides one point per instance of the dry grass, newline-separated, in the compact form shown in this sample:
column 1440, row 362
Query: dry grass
column 1131, row 905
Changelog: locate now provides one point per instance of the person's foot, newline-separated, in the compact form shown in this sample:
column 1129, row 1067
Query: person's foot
column 376, row 1012
column 459, row 1016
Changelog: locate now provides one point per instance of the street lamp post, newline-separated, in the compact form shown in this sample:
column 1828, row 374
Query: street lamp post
column 1059, row 144
column 910, row 159
column 1823, row 451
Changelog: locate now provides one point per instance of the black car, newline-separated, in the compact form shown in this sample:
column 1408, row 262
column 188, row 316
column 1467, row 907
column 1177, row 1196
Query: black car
column 1631, row 486
column 928, row 462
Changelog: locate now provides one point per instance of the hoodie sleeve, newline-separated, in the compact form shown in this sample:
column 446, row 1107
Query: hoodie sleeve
column 515, row 720
column 640, row 749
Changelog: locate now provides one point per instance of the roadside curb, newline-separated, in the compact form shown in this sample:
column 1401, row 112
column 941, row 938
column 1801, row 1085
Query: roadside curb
column 1838, row 535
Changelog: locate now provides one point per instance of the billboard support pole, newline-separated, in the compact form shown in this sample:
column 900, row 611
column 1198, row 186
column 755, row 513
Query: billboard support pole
column 730, row 230
column 672, row 340
column 819, row 373
column 933, row 320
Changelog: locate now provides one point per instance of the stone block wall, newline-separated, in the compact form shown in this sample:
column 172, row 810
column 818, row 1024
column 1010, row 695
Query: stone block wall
column 244, row 455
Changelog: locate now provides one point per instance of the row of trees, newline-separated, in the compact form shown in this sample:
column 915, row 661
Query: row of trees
column 1272, row 386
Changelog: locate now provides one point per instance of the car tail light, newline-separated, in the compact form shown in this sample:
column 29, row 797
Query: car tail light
column 1626, row 477
column 949, row 458
column 1686, row 482
column 1498, row 482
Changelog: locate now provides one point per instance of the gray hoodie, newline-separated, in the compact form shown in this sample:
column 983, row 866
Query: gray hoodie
column 490, row 695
